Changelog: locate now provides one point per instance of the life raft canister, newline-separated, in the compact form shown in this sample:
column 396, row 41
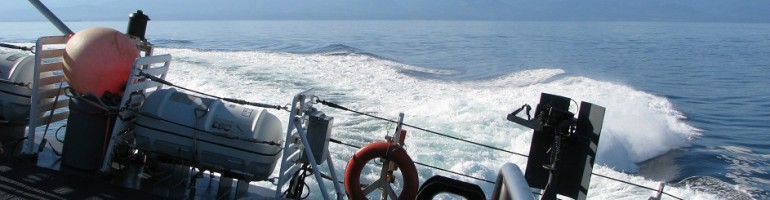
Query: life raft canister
column 389, row 151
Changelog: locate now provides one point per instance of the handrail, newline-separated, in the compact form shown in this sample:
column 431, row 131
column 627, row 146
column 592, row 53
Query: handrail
column 511, row 184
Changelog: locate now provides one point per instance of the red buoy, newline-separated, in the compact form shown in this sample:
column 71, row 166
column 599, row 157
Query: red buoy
column 99, row 60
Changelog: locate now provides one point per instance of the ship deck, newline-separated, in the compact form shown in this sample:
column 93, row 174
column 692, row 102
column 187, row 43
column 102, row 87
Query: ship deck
column 45, row 178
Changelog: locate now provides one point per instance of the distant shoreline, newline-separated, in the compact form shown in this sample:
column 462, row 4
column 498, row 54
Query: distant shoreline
column 342, row 19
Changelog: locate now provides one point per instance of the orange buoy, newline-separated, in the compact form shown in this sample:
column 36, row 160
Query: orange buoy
column 98, row 60
column 393, row 153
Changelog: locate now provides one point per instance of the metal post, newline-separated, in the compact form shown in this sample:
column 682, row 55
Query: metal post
column 51, row 17
column 316, row 170
column 659, row 193
column 337, row 187
column 397, row 134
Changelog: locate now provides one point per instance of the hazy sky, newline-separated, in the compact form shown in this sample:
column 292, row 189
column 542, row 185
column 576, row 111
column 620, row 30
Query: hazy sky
column 584, row 10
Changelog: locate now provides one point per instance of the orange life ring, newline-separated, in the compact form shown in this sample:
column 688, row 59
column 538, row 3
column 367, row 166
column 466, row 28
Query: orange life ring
column 392, row 152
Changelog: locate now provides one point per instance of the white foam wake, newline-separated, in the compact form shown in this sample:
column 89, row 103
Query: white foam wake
column 638, row 125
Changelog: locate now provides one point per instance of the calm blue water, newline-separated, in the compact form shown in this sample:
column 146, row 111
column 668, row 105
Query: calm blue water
column 716, row 76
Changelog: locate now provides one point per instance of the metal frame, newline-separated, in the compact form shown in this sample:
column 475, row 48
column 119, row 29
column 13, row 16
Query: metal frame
column 46, row 86
column 290, row 160
column 387, row 169
column 136, row 85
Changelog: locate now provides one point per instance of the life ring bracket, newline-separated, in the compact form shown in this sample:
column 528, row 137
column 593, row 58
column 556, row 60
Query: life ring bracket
column 393, row 153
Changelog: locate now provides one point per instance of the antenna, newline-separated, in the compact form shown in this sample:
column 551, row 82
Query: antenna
column 51, row 17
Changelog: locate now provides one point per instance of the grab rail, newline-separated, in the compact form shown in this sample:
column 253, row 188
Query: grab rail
column 511, row 184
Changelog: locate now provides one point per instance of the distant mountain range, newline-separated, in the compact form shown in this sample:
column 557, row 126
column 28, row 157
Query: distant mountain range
column 550, row 10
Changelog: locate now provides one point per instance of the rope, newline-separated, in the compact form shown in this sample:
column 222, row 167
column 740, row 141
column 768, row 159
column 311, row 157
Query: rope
column 419, row 163
column 20, row 84
column 10, row 46
column 342, row 143
column 337, row 106
column 224, row 135
column 53, row 108
column 238, row 101
column 333, row 105
column 444, row 170
column 637, row 185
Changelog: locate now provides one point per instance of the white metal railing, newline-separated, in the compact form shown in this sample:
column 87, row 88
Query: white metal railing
column 48, row 93
column 289, row 164
column 132, row 98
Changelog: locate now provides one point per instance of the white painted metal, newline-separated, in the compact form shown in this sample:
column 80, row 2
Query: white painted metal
column 47, row 88
column 300, row 105
column 136, row 85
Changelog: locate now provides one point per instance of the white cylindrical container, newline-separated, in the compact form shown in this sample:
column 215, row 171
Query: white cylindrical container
column 15, row 99
column 221, row 136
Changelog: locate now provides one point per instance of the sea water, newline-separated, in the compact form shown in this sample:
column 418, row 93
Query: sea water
column 687, row 103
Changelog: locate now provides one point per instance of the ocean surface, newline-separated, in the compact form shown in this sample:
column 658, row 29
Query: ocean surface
column 687, row 103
